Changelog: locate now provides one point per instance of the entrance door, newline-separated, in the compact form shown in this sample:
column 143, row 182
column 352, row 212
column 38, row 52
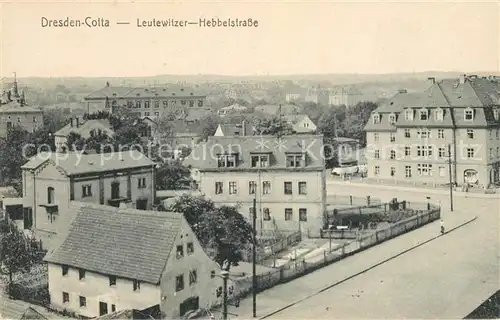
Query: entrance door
column 142, row 204
column 115, row 190
column 189, row 304
column 470, row 176
column 28, row 218
column 103, row 308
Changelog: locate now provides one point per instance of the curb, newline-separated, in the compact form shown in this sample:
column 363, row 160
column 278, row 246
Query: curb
column 365, row 270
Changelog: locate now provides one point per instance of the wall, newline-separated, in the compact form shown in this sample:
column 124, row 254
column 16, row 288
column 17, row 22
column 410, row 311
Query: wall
column 205, row 287
column 23, row 119
column 314, row 201
column 95, row 287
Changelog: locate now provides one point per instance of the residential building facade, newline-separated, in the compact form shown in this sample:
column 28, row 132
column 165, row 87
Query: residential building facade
column 155, row 101
column 116, row 259
column 52, row 180
column 84, row 128
column 414, row 136
column 286, row 177
column 347, row 96
column 301, row 123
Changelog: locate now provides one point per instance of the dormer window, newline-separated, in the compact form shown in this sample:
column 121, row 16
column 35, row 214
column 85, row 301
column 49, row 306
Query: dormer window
column 260, row 161
column 439, row 114
column 424, row 114
column 376, row 118
column 409, row 114
column 226, row 161
column 469, row 114
column 392, row 118
column 295, row 160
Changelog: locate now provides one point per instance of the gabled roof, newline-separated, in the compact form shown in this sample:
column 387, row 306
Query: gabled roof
column 128, row 243
column 77, row 163
column 16, row 107
column 286, row 109
column 110, row 92
column 294, row 118
column 236, row 129
column 167, row 91
column 194, row 114
column 86, row 127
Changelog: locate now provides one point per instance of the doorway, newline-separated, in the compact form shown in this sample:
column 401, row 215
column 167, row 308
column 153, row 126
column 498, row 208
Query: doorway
column 189, row 304
column 471, row 176
column 115, row 190
column 103, row 308
column 142, row 204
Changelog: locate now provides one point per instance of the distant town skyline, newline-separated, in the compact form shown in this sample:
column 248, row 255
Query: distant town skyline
column 290, row 39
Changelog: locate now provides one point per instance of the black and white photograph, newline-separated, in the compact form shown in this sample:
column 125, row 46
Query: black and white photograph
column 249, row 159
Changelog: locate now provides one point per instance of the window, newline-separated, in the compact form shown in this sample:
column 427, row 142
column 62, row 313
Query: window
column 377, row 154
column 393, row 154
column 469, row 114
column 424, row 133
column 226, row 161
column 212, row 274
column 470, row 153
column 183, row 102
column 191, row 103
column 376, row 170
column 233, row 189
column 180, row 251
column 424, row 114
column 192, row 277
column 165, row 103
column 50, row 195
column 498, row 151
column 141, row 183
column 86, row 191
column 288, row 214
column 189, row 248
column 64, row 270
column 252, row 186
column 179, row 283
column 407, row 133
column 302, row 214
column 200, row 103
column 294, row 161
column 146, row 114
column 146, row 104
column 157, row 104
column 138, row 104
column 393, row 137
column 376, row 118
column 439, row 114
column 424, row 169
column 392, row 119
column 393, row 171
column 288, row 187
column 424, row 151
column 219, row 188
column 18, row 119
column 260, row 161
column 81, row 274
column 266, row 187
column 440, row 134
column 490, row 132
column 407, row 171
column 470, row 133
column 442, row 171
column 136, row 285
column 267, row 214
column 407, row 151
column 112, row 281
column 83, row 302
column 409, row 114
column 302, row 187
column 376, row 137
column 441, row 152
column 113, row 308
column 65, row 297
column 34, row 118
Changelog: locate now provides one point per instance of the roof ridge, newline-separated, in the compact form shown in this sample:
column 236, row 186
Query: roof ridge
column 125, row 211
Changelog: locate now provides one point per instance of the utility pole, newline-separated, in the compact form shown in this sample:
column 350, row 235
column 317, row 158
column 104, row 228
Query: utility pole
column 451, row 179
column 254, row 258
column 224, row 275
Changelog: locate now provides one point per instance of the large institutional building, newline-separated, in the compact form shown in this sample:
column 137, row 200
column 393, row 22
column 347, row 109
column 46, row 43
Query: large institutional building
column 409, row 136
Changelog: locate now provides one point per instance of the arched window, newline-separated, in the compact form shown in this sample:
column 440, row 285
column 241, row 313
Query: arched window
column 50, row 195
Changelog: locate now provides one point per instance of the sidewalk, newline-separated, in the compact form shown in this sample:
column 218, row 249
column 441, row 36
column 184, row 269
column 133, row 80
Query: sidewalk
column 281, row 295
column 364, row 184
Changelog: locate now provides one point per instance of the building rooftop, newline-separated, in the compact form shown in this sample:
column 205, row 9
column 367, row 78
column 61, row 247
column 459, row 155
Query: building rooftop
column 16, row 107
column 110, row 92
column 72, row 163
column 287, row 109
column 84, row 128
column 236, row 129
column 128, row 243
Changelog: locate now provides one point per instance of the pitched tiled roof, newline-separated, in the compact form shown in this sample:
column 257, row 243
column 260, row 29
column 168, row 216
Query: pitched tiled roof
column 167, row 91
column 76, row 163
column 86, row 127
column 110, row 92
column 128, row 243
column 194, row 114
column 236, row 129
column 204, row 157
column 286, row 109
column 16, row 107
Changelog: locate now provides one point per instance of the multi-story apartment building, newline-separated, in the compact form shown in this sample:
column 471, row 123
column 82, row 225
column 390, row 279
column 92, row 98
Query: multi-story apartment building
column 408, row 137
column 285, row 175
column 52, row 180
column 145, row 101
column 84, row 128
column 118, row 259
column 347, row 96
column 15, row 112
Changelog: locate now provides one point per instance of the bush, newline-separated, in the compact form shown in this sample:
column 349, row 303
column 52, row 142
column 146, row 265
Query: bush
column 38, row 295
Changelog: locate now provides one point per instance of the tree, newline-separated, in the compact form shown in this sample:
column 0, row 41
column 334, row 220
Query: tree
column 100, row 143
column 172, row 176
column 222, row 230
column 273, row 126
column 54, row 119
column 75, row 142
column 11, row 156
column 209, row 126
column 15, row 253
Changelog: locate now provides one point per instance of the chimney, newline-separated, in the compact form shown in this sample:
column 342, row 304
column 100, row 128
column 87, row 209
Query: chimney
column 462, row 79
column 431, row 80
column 71, row 122
column 402, row 91
column 77, row 122
column 243, row 128
column 107, row 84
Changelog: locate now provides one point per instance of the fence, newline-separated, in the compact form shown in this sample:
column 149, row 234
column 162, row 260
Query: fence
column 352, row 200
column 297, row 268
column 264, row 253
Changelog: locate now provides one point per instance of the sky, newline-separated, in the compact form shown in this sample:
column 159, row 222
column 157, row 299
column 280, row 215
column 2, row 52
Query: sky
column 293, row 37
